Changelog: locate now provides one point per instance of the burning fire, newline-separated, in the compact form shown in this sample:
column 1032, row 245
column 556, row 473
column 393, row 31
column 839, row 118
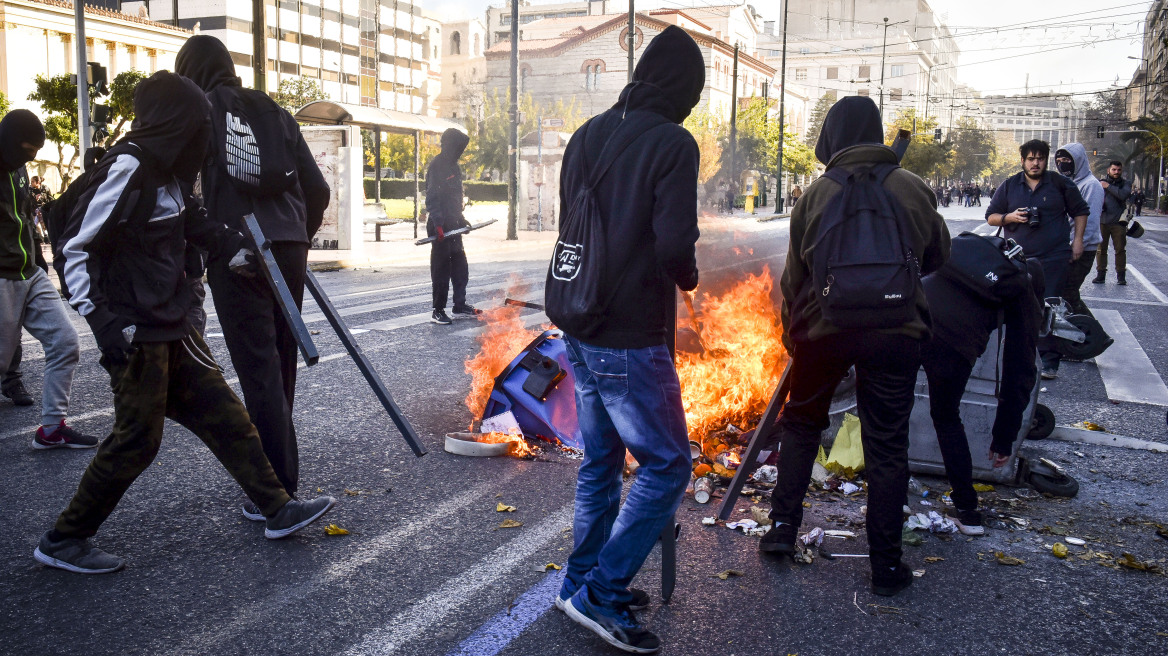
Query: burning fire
column 734, row 380
column 501, row 340
column 518, row 446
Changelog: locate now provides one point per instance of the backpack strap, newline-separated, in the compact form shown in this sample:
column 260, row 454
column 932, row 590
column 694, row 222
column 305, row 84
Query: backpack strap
column 616, row 144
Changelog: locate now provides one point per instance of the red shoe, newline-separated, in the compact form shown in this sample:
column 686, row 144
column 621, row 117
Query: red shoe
column 63, row 437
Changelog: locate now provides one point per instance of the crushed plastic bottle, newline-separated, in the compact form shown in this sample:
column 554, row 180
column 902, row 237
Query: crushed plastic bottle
column 914, row 486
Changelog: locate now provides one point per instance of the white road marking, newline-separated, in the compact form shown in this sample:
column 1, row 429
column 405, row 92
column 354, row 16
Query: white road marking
column 390, row 544
column 415, row 621
column 1147, row 283
column 1128, row 374
column 528, row 321
column 1068, row 434
column 1125, row 301
column 398, row 322
column 1148, row 247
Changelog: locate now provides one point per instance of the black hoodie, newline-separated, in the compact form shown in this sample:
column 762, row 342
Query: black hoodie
column 294, row 215
column 126, row 241
column 851, row 121
column 18, row 251
column 648, row 198
column 444, row 185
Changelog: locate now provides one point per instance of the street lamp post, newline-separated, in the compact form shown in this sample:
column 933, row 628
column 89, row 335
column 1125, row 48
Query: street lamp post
column 883, row 52
column 1160, row 178
column 782, row 117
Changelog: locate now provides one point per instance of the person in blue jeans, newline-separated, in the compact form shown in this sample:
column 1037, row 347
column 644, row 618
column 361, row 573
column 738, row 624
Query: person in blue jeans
column 627, row 392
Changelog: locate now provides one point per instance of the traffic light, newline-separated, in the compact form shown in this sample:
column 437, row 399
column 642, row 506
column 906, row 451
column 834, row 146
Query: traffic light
column 1099, row 133
column 937, row 135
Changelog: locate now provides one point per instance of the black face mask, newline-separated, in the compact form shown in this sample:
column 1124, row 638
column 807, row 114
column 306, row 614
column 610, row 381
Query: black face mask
column 1066, row 167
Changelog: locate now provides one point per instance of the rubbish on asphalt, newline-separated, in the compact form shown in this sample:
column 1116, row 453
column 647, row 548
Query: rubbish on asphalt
column 727, row 573
column 1043, row 389
column 333, row 529
column 352, row 493
column 983, row 487
column 703, row 470
column 547, row 567
column 695, row 450
column 849, row 488
column 1078, row 542
column 510, row 523
column 932, row 522
column 1080, row 454
column 835, row 533
column 1162, row 531
column 824, row 553
column 502, row 507
column 1021, row 522
column 909, row 538
column 1131, row 562
column 709, row 521
column 847, row 452
column 914, row 486
column 743, row 524
column 812, row 537
column 933, row 559
column 918, row 573
column 803, row 555
column 504, row 422
column 1003, row 559
column 840, row 555
column 925, row 503
column 728, row 459
column 766, row 474
column 760, row 515
column 1089, row 425
column 1059, row 550
column 703, row 488
column 819, row 473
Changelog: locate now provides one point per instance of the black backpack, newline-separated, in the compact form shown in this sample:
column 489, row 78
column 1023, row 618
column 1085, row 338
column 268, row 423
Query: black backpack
column 250, row 141
column 864, row 273
column 991, row 267
column 574, row 297
column 58, row 214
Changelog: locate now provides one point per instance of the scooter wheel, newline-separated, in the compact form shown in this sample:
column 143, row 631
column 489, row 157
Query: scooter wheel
column 1042, row 425
column 1061, row 486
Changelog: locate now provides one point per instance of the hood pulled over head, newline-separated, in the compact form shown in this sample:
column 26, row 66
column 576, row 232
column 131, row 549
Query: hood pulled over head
column 172, row 123
column 207, row 62
column 1079, row 154
column 17, row 127
column 669, row 77
column 454, row 142
column 852, row 120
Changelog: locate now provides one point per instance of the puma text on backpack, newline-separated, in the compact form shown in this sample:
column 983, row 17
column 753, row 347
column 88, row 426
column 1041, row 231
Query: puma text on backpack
column 250, row 141
column 862, row 267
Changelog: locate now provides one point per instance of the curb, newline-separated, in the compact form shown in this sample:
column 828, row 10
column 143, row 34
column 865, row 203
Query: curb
column 1068, row 434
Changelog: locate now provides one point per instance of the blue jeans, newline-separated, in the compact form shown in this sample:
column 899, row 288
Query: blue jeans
column 625, row 398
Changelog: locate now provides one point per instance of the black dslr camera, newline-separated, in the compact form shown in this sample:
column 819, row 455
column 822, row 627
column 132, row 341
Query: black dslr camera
column 1032, row 217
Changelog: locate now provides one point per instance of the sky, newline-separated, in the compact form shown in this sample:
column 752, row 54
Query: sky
column 1074, row 46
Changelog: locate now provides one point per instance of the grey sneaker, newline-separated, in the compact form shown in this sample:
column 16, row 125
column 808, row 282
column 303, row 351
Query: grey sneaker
column 250, row 511
column 295, row 515
column 18, row 394
column 76, row 555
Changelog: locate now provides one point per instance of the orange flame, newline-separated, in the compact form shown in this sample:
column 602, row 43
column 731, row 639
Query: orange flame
column 734, row 380
column 501, row 340
column 518, row 446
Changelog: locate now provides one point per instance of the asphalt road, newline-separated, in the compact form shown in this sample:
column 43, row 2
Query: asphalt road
column 426, row 569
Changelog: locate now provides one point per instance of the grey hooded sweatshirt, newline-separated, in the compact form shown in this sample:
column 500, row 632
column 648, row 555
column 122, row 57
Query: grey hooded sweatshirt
column 1092, row 192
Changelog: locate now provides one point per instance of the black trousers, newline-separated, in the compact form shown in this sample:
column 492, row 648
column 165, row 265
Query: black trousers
column 448, row 265
column 1075, row 277
column 948, row 372
column 264, row 352
column 886, row 372
column 1055, row 268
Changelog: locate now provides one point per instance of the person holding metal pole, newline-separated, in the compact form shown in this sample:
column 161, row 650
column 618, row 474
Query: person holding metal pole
column 258, row 164
column 448, row 264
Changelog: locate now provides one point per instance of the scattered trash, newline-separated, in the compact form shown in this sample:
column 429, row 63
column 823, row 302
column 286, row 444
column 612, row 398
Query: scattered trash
column 1162, row 531
column 925, row 503
column 504, row 422
column 849, row 488
column 546, row 568
column 1078, row 542
column 933, row 559
column 1080, row 454
column 909, row 537
column 847, row 452
column 703, row 470
column 812, row 537
column 748, row 526
column 766, row 474
column 833, row 533
column 510, row 523
column 726, row 574
column 1003, row 559
column 333, row 529
column 914, row 486
column 918, row 573
column 819, row 473
column 1059, row 550
column 983, row 487
column 502, row 507
column 703, row 488
column 352, row 493
column 1042, row 389
column 1131, row 562
column 709, row 521
column 729, row 460
column 803, row 555
column 932, row 522
column 760, row 515
column 1089, row 425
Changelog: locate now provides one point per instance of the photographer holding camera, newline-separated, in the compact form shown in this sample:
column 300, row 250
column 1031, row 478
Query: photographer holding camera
column 1036, row 208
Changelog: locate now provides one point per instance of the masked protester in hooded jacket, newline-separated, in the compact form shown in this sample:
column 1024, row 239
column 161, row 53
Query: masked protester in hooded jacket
column 27, row 296
column 262, row 346
column 886, row 360
column 627, row 391
column 125, row 268
column 444, row 208
column 1071, row 161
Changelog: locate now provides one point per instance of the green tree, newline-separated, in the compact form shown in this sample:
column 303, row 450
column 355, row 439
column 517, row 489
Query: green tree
column 1007, row 160
column 296, row 92
column 798, row 157
column 4, row 105
column 815, row 121
column 707, row 131
column 490, row 138
column 121, row 101
column 397, row 152
column 58, row 98
column 974, row 149
column 923, row 157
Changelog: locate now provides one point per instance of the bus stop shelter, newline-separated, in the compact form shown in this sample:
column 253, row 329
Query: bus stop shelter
column 328, row 112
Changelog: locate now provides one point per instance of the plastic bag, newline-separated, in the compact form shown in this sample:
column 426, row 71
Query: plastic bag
column 847, row 453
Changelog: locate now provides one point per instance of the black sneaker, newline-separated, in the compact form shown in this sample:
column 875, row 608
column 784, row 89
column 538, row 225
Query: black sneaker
column 1121, row 278
column 969, row 522
column 641, row 599
column 467, row 310
column 1100, row 278
column 618, row 627
column 18, row 394
column 779, row 540
column 441, row 318
column 76, row 555
column 295, row 515
column 1049, row 373
column 887, row 581
column 63, row 437
column 252, row 512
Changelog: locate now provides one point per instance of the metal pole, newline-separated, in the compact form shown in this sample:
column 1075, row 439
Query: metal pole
column 734, row 122
column 377, row 164
column 259, row 46
column 83, row 131
column 539, row 187
column 782, row 117
column 513, row 139
column 883, row 52
column 632, row 38
column 417, row 174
